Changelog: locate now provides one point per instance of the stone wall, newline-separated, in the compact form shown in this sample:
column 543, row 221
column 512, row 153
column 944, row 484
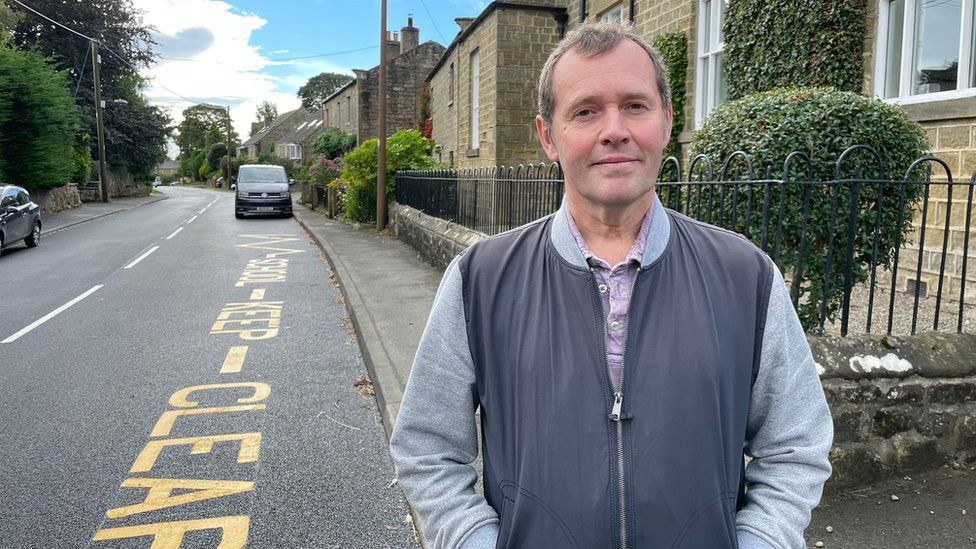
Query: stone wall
column 525, row 39
column 484, row 39
column 899, row 405
column 341, row 110
column 405, row 76
column 57, row 199
column 444, row 106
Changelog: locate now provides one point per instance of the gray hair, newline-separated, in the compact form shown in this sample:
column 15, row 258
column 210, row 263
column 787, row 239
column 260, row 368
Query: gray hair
column 591, row 40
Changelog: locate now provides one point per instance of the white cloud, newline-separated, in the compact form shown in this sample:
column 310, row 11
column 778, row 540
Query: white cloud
column 228, row 71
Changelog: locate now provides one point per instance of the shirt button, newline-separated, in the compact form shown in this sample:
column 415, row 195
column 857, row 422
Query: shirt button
column 614, row 325
column 603, row 288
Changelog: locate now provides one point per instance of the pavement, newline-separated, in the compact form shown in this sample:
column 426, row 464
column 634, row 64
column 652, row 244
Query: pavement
column 389, row 291
column 89, row 211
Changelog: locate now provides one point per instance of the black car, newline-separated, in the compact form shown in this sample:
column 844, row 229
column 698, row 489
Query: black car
column 262, row 189
column 20, row 219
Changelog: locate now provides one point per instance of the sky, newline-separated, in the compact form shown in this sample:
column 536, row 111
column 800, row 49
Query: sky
column 239, row 53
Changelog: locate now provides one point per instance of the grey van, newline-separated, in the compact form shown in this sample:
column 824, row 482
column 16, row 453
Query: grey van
column 262, row 189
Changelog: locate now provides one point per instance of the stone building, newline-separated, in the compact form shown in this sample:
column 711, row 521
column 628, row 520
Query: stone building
column 354, row 108
column 297, row 145
column 266, row 138
column 483, row 89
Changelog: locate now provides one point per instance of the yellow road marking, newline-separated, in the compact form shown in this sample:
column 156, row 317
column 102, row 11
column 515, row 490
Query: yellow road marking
column 180, row 398
column 169, row 535
column 160, row 495
column 168, row 418
column 250, row 448
column 257, row 295
column 233, row 362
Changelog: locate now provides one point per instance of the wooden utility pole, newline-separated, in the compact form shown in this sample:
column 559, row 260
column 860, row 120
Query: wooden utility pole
column 99, row 124
column 381, row 161
column 227, row 180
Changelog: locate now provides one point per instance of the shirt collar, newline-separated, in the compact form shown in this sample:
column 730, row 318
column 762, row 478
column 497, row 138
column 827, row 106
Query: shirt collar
column 657, row 236
column 636, row 252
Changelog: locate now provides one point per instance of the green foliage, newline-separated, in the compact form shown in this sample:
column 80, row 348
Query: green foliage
column 674, row 50
column 822, row 123
column 215, row 153
column 320, row 87
column 190, row 165
column 167, row 178
column 202, row 126
column 405, row 150
column 333, row 143
column 266, row 112
column 38, row 121
column 9, row 19
column 136, row 141
column 82, row 161
column 795, row 43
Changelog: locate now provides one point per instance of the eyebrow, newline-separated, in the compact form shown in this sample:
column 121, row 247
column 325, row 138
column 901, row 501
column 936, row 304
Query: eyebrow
column 627, row 97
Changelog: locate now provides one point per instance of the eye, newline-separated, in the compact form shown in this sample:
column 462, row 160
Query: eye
column 583, row 113
column 637, row 107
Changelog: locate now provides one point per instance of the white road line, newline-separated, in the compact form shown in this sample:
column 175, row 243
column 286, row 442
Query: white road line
column 51, row 315
column 176, row 232
column 191, row 219
column 141, row 257
column 203, row 210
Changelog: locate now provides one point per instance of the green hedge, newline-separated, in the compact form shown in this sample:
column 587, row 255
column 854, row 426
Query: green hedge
column 793, row 43
column 39, row 122
column 821, row 123
column 405, row 150
column 674, row 50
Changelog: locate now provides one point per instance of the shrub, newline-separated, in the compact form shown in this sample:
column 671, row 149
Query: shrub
column 333, row 143
column 674, row 50
column 821, row 123
column 796, row 43
column 405, row 150
column 82, row 161
column 39, row 121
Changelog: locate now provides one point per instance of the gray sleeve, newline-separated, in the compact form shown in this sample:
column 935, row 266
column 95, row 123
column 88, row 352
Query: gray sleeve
column 789, row 431
column 435, row 438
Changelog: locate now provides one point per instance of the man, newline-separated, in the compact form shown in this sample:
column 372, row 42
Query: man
column 624, row 357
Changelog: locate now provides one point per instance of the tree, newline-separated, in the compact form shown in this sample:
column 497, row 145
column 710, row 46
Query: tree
column 202, row 126
column 333, row 143
column 136, row 141
column 320, row 87
column 267, row 111
column 9, row 19
column 38, row 121
column 118, row 26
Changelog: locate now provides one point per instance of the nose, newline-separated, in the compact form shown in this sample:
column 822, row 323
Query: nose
column 614, row 129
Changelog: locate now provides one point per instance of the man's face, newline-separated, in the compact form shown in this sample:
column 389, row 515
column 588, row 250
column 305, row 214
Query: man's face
column 609, row 128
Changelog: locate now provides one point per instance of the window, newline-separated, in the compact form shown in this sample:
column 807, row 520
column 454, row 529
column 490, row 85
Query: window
column 9, row 199
column 475, row 98
column 925, row 47
column 450, row 89
column 22, row 198
column 294, row 152
column 710, row 81
column 613, row 15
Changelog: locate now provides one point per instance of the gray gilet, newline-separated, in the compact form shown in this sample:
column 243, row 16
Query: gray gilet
column 564, row 466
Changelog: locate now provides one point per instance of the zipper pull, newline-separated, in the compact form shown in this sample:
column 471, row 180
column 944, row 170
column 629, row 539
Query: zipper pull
column 618, row 403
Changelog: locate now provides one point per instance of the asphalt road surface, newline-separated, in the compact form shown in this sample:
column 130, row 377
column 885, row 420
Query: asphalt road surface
column 173, row 377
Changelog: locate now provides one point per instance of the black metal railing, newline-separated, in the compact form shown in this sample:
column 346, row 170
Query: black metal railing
column 844, row 244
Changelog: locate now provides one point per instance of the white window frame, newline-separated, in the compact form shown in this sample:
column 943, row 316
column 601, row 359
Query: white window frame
column 705, row 99
column 614, row 15
column 966, row 80
column 475, row 99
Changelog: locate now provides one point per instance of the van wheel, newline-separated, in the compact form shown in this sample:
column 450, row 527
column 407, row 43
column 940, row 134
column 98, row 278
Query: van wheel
column 238, row 215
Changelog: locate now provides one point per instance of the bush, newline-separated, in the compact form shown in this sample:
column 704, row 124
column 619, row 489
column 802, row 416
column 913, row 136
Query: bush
column 796, row 43
column 821, row 123
column 215, row 154
column 82, row 161
column 39, row 121
column 405, row 150
column 333, row 143
column 674, row 50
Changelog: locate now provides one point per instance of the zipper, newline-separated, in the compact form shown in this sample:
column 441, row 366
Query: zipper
column 618, row 401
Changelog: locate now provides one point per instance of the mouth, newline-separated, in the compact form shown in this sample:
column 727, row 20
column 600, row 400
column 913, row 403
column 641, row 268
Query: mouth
column 614, row 161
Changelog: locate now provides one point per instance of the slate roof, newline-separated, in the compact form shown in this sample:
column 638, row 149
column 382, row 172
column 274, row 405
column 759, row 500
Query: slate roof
column 257, row 137
column 306, row 130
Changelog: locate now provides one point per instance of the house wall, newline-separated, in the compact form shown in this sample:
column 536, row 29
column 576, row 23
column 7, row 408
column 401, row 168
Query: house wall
column 444, row 110
column 484, row 39
column 404, row 77
column 342, row 110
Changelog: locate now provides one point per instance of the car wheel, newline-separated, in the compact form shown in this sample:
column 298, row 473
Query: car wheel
column 1, row 243
column 34, row 238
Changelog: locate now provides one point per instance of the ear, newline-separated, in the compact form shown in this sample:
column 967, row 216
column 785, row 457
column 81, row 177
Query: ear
column 667, row 126
column 546, row 139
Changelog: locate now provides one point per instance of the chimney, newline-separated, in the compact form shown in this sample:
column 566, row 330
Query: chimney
column 392, row 46
column 464, row 22
column 410, row 37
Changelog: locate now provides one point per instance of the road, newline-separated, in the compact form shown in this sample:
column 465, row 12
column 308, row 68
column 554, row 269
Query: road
column 172, row 375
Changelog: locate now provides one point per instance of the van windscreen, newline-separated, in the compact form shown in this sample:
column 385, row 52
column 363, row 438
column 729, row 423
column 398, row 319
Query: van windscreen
column 262, row 175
